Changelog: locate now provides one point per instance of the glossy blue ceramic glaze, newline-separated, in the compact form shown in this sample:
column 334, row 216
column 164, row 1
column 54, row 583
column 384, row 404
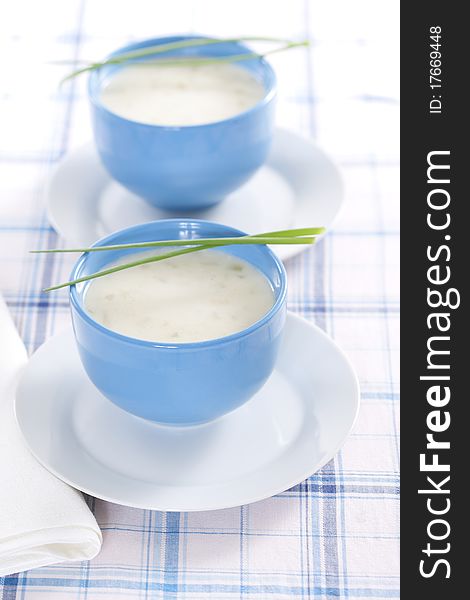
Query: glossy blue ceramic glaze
column 190, row 167
column 179, row 384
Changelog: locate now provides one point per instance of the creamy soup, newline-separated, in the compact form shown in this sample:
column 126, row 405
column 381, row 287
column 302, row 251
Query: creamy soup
column 188, row 298
column 181, row 94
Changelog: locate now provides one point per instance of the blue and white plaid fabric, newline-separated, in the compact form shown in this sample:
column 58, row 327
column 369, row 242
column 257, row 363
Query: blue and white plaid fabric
column 336, row 534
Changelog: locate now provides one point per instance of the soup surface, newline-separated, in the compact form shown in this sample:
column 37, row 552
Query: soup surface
column 181, row 95
column 188, row 298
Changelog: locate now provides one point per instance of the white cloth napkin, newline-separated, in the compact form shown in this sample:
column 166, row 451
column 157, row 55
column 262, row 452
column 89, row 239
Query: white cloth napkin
column 42, row 520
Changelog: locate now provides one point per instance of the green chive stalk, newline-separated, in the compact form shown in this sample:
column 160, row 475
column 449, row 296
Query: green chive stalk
column 289, row 236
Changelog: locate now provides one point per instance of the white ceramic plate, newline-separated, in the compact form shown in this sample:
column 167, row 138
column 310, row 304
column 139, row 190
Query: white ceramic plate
column 298, row 187
column 291, row 428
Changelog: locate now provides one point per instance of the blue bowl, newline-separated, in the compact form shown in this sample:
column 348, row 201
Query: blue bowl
column 188, row 167
column 188, row 383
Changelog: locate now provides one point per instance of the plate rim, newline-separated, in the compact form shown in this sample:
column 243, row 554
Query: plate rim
column 285, row 252
column 256, row 498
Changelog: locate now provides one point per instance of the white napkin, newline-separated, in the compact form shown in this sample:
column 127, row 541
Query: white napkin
column 42, row 520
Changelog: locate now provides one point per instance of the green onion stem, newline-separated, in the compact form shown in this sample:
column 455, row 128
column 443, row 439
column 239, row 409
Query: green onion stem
column 305, row 235
column 301, row 236
column 161, row 48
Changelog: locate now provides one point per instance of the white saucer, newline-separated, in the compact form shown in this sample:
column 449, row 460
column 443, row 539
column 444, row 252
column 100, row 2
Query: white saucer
column 291, row 428
column 298, row 187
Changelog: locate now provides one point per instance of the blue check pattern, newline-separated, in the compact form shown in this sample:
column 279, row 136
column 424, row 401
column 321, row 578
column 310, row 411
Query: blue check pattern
column 335, row 534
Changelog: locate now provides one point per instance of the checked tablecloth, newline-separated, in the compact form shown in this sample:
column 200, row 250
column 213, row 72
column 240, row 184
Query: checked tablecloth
column 336, row 534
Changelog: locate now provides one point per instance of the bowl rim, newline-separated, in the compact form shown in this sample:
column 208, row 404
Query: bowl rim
column 94, row 87
column 268, row 316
